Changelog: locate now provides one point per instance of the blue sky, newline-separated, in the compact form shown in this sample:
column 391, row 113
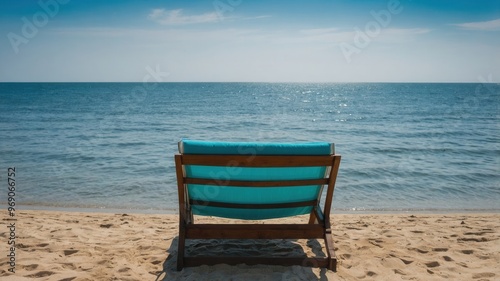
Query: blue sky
column 243, row 40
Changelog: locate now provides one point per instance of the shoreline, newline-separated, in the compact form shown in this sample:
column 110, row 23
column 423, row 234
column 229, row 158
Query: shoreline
column 174, row 211
column 56, row 245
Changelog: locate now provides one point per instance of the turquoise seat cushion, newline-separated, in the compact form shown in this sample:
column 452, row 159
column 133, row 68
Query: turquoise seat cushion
column 254, row 148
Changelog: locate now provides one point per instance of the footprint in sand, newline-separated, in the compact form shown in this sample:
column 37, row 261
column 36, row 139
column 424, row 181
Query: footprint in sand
column 70, row 266
column 406, row 261
column 446, row 258
column 31, row 248
column 478, row 233
column 370, row 273
column 124, row 269
column 40, row 274
column 22, row 246
column 353, row 228
column 422, row 251
column 432, row 264
column 376, row 242
column 482, row 257
column 440, row 249
column 483, row 275
column 70, row 252
column 399, row 271
column 473, row 239
column 31, row 267
column 345, row 256
column 68, row 279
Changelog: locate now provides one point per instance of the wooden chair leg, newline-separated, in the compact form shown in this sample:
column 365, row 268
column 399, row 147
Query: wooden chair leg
column 181, row 247
column 332, row 258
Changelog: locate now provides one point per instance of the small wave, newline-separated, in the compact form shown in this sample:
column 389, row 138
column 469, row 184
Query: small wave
column 128, row 144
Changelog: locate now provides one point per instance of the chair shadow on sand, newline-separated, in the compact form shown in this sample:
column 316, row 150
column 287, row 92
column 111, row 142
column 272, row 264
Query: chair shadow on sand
column 243, row 248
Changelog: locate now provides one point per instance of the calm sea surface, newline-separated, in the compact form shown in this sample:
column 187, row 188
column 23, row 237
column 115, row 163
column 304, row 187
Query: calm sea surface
column 111, row 145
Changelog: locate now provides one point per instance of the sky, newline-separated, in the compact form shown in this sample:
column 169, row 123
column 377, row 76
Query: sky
column 250, row 41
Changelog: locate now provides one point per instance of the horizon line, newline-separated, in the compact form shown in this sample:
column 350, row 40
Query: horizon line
column 269, row 82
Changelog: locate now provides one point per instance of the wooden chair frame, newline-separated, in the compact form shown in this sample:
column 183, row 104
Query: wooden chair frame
column 318, row 227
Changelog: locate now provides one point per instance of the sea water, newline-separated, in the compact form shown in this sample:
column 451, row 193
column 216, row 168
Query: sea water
column 404, row 146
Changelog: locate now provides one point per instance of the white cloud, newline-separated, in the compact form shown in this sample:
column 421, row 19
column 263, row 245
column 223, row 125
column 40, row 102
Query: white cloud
column 492, row 25
column 177, row 17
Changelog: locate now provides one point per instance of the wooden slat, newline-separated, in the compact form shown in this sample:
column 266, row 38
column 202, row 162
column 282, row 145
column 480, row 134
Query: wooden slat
column 254, row 231
column 181, row 189
column 331, row 187
column 285, row 261
column 257, row 161
column 285, row 183
column 253, row 206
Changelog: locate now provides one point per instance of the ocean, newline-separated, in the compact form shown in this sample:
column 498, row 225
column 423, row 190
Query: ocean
column 404, row 146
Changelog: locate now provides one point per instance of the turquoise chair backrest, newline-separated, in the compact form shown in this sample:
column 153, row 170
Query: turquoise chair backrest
column 252, row 195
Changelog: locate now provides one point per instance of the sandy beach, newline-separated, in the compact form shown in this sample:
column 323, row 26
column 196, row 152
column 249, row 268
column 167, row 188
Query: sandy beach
column 54, row 245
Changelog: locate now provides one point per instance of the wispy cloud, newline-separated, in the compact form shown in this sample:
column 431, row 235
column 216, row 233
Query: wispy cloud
column 407, row 31
column 316, row 31
column 177, row 17
column 257, row 17
column 492, row 25
column 337, row 35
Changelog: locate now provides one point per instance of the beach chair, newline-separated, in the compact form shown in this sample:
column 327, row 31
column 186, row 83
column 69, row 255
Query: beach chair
column 255, row 181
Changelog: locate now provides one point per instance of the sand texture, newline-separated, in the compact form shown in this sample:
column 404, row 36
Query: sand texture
column 68, row 246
